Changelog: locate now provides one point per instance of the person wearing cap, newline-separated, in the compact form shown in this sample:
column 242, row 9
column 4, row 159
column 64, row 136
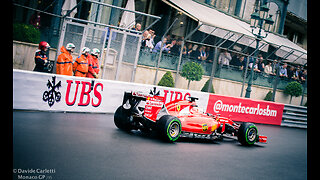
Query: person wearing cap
column 41, row 59
column 80, row 66
column 65, row 60
column 93, row 61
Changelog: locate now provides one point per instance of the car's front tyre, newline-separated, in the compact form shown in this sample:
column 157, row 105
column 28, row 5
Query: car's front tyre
column 247, row 134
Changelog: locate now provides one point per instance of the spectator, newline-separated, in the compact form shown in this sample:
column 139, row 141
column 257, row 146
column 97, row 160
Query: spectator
column 150, row 39
column 209, row 55
column 80, row 66
column 298, row 73
column 255, row 68
column 175, row 50
column 168, row 38
column 165, row 48
column 41, row 57
column 65, row 60
column 35, row 20
column 189, row 49
column 137, row 27
column 238, row 60
column 194, row 52
column 184, row 51
column 145, row 37
column 303, row 76
column 260, row 63
column 268, row 68
column 201, row 55
column 283, row 70
column 292, row 73
column 275, row 65
column 224, row 58
column 235, row 61
column 93, row 61
column 171, row 45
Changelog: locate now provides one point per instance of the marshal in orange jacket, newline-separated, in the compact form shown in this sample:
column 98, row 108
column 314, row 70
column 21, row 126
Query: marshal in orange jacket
column 64, row 62
column 93, row 66
column 80, row 66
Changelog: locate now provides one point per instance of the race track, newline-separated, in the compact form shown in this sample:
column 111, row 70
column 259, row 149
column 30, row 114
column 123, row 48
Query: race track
column 83, row 146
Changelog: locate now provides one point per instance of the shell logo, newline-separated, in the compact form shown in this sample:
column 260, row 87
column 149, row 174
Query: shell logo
column 204, row 127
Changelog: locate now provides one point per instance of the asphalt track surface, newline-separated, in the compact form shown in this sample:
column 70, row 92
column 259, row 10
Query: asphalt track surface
column 89, row 146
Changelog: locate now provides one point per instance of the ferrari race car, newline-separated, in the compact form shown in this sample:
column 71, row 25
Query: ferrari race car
column 179, row 118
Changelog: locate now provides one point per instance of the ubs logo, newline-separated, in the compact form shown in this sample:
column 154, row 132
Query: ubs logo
column 52, row 95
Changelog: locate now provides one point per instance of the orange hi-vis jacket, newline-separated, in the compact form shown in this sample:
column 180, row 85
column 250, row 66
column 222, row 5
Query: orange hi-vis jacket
column 80, row 66
column 93, row 66
column 64, row 62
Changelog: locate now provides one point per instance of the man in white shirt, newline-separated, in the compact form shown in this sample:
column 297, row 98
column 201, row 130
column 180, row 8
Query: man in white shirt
column 224, row 58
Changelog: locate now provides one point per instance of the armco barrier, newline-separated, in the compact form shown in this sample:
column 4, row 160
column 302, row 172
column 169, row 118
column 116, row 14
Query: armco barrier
column 294, row 116
column 52, row 92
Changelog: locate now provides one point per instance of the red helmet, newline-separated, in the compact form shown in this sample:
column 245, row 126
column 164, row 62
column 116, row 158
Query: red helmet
column 43, row 44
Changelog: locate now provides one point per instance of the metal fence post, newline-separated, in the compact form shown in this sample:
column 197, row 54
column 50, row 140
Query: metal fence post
column 136, row 60
column 63, row 25
column 181, row 50
column 214, row 66
column 159, row 59
column 244, row 76
column 107, row 52
column 123, row 43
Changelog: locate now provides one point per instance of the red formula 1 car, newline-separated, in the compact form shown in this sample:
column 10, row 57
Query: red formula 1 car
column 179, row 118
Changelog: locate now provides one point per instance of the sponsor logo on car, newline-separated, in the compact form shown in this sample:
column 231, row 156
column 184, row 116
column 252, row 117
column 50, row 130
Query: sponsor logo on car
column 204, row 127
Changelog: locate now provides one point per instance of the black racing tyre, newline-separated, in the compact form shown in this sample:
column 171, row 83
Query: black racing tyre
column 247, row 134
column 122, row 119
column 169, row 128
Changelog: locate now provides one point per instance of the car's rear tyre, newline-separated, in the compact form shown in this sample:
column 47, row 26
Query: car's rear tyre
column 122, row 119
column 247, row 134
column 169, row 128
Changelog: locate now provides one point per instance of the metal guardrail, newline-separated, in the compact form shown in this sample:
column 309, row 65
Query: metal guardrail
column 294, row 116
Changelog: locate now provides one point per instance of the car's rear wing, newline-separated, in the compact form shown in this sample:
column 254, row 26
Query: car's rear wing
column 149, row 109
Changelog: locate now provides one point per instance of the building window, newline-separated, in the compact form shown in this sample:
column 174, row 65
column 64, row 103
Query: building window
column 224, row 5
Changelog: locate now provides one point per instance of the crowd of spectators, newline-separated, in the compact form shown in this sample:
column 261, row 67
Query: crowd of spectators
column 204, row 55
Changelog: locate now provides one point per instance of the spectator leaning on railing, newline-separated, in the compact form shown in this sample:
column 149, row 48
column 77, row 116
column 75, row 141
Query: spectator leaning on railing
column 268, row 69
column 192, row 51
column 260, row 63
column 165, row 48
column 175, row 49
column 283, row 70
column 224, row 58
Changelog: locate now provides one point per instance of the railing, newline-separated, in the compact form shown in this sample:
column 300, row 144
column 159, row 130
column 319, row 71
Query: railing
column 233, row 73
column 294, row 116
